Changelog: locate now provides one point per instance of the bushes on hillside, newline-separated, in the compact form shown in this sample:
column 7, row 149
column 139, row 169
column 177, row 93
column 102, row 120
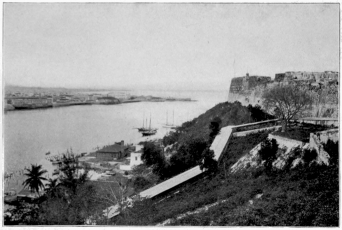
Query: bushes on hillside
column 268, row 153
column 303, row 196
column 331, row 148
column 229, row 114
column 257, row 114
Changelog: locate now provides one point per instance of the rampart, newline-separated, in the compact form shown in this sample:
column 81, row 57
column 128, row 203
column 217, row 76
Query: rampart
column 249, row 89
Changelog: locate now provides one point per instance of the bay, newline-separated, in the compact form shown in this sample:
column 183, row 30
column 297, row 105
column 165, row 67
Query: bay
column 29, row 134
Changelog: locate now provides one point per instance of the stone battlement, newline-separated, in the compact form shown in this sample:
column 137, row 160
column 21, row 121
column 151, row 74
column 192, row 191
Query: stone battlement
column 241, row 85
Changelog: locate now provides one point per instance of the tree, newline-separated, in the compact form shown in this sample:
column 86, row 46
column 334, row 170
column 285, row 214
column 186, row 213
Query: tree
column 69, row 174
column 257, row 114
column 35, row 178
column 188, row 155
column 52, row 188
column 151, row 154
column 287, row 102
column 214, row 127
column 208, row 162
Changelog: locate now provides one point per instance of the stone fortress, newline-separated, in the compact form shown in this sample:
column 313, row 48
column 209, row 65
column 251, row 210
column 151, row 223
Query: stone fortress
column 324, row 85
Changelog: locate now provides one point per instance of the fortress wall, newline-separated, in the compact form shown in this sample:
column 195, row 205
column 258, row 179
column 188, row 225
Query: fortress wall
column 249, row 89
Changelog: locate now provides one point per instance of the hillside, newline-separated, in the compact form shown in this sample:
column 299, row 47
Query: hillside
column 229, row 114
column 307, row 195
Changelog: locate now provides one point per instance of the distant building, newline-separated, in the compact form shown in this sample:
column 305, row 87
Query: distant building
column 113, row 152
column 107, row 100
column 29, row 102
column 121, row 95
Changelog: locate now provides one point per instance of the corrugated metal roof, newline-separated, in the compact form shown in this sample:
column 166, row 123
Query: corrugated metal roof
column 220, row 141
column 217, row 146
column 170, row 183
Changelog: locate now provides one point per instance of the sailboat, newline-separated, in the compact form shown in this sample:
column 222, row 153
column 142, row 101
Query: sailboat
column 167, row 125
column 149, row 131
column 142, row 129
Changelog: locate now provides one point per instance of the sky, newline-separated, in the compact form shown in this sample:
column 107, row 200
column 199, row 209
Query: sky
column 164, row 46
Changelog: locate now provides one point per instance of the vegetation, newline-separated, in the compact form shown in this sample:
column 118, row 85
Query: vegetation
column 268, row 153
column 307, row 195
column 287, row 102
column 193, row 139
column 227, row 113
column 69, row 199
column 35, row 178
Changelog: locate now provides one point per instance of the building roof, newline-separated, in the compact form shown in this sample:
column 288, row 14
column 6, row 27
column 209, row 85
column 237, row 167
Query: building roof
column 112, row 149
column 170, row 183
column 217, row 146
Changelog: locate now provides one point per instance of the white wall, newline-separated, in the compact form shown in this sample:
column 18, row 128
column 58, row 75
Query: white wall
column 135, row 159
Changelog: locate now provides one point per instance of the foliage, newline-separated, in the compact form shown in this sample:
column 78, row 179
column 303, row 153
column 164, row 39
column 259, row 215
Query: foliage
column 229, row 114
column 303, row 196
column 141, row 183
column 189, row 155
column 171, row 138
column 208, row 162
column 22, row 213
column 268, row 153
column 151, row 154
column 257, row 114
column 73, row 211
column 214, row 127
column 52, row 187
column 35, row 178
column 331, row 148
column 309, row 155
column 287, row 102
column 70, row 174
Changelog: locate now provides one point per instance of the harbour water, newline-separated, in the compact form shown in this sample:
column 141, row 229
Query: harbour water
column 29, row 134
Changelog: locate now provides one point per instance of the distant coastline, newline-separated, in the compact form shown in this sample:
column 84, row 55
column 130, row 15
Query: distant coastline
column 28, row 100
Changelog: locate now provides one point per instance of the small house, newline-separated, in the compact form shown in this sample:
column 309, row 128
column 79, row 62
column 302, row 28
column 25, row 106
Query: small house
column 113, row 152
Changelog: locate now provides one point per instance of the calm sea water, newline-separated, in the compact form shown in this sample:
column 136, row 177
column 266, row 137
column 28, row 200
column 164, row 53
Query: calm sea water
column 28, row 135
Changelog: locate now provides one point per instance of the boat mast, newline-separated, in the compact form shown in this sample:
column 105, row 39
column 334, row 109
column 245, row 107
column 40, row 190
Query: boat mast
column 150, row 121
column 173, row 118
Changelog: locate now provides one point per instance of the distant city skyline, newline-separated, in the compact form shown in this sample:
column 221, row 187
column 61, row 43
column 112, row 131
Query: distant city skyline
column 164, row 46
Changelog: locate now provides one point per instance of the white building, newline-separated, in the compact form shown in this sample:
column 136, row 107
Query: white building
column 135, row 159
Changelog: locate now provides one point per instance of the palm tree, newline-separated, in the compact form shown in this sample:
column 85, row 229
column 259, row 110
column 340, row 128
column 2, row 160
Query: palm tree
column 34, row 180
column 52, row 188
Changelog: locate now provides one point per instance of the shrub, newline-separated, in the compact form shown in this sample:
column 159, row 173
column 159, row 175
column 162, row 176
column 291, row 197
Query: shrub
column 140, row 183
column 268, row 152
column 309, row 155
column 331, row 148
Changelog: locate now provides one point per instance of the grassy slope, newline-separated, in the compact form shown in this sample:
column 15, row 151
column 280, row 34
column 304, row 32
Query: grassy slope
column 229, row 113
column 301, row 197
column 192, row 196
column 305, row 196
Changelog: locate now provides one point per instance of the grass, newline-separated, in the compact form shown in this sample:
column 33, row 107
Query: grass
column 239, row 146
column 304, row 196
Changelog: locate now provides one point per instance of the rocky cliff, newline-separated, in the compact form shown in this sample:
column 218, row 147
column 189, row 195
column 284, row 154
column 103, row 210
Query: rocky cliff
column 323, row 86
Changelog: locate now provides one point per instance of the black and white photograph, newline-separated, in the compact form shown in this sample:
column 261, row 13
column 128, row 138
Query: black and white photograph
column 220, row 114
